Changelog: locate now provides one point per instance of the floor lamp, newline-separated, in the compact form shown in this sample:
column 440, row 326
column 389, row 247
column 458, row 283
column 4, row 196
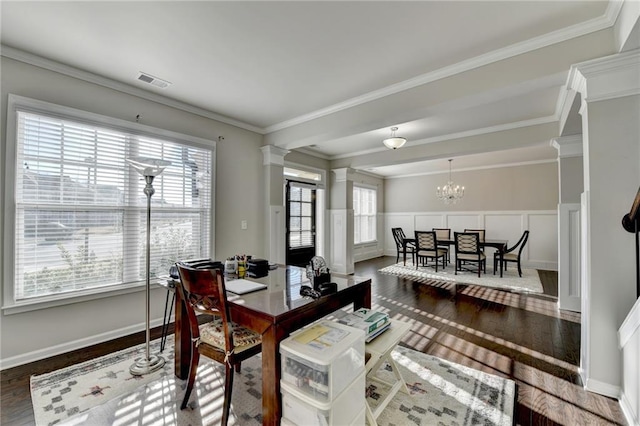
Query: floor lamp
column 149, row 168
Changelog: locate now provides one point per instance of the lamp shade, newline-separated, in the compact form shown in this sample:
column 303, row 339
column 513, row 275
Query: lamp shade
column 394, row 142
column 148, row 166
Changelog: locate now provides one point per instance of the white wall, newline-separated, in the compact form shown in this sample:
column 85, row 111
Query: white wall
column 629, row 339
column 541, row 251
column 41, row 333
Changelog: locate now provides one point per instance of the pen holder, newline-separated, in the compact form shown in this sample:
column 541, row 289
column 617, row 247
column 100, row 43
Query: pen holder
column 321, row 279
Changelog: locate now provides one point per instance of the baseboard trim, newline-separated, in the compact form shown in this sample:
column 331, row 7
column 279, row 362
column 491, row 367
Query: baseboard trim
column 74, row 345
column 603, row 388
column 631, row 417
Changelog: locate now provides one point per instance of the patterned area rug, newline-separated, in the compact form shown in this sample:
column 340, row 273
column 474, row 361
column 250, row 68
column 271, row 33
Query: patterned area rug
column 529, row 282
column 98, row 393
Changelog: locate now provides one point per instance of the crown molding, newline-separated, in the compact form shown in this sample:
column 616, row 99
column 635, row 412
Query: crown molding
column 577, row 30
column 273, row 155
column 38, row 61
column 568, row 146
column 605, row 78
column 470, row 169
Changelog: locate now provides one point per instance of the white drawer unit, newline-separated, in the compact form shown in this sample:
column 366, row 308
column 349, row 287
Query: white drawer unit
column 322, row 360
column 346, row 409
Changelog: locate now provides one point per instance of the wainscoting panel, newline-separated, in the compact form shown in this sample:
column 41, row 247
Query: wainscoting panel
column 541, row 251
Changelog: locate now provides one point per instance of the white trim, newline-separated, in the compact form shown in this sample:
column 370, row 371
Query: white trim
column 627, row 410
column 272, row 154
column 38, row 61
column 74, row 345
column 568, row 146
column 603, row 388
column 630, row 325
column 467, row 169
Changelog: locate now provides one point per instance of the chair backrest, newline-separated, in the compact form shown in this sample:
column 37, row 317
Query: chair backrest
column 203, row 290
column 480, row 233
column 521, row 242
column 467, row 242
column 442, row 233
column 426, row 240
column 398, row 236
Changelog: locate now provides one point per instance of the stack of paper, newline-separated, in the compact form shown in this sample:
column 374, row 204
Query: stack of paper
column 372, row 322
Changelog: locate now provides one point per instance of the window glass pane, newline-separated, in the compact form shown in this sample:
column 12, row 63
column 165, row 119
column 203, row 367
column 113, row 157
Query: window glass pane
column 306, row 209
column 294, row 223
column 364, row 207
column 295, row 209
column 306, row 195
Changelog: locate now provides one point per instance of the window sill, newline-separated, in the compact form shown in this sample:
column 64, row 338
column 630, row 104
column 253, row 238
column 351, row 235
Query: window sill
column 366, row 244
column 68, row 299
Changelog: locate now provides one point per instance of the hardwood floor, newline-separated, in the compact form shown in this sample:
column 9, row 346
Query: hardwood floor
column 518, row 336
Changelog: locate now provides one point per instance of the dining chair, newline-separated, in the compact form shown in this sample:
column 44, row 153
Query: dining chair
column 427, row 248
column 443, row 234
column 399, row 236
column 203, row 291
column 468, row 250
column 510, row 255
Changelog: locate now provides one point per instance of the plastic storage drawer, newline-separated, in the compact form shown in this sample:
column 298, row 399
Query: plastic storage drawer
column 348, row 408
column 322, row 359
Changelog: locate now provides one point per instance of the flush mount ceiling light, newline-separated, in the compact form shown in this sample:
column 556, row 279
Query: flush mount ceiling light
column 394, row 142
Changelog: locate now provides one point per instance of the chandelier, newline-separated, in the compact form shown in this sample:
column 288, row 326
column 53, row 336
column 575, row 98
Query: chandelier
column 394, row 142
column 450, row 193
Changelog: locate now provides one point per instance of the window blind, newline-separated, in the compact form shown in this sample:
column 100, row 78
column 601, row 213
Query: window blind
column 364, row 214
column 301, row 199
column 81, row 210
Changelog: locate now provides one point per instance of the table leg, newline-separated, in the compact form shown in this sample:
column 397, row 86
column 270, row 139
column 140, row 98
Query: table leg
column 501, row 262
column 182, row 342
column 271, row 400
column 404, row 253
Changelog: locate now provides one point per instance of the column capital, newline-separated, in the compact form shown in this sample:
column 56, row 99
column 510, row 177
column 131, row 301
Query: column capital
column 568, row 146
column 343, row 174
column 610, row 77
column 272, row 154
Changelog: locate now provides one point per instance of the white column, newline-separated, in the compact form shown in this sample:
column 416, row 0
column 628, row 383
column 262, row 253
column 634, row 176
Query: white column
column 610, row 90
column 341, row 222
column 275, row 226
column 570, row 182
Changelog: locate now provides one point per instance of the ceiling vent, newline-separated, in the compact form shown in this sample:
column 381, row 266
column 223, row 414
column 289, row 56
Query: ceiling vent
column 155, row 81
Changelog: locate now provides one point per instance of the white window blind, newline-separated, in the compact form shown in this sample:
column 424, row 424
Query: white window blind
column 364, row 217
column 301, row 207
column 81, row 210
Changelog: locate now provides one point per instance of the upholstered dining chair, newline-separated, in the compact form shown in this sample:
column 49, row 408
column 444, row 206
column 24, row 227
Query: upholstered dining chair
column 510, row 255
column 443, row 234
column 468, row 250
column 399, row 236
column 427, row 248
column 203, row 290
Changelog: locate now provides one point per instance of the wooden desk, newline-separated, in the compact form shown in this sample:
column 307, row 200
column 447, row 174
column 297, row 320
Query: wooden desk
column 275, row 313
column 499, row 245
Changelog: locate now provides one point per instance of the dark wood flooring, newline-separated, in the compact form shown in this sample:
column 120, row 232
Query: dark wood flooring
column 518, row 336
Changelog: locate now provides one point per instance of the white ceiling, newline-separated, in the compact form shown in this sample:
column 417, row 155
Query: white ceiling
column 332, row 77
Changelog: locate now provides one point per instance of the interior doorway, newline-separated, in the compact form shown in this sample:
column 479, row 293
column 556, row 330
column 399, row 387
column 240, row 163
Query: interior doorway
column 300, row 222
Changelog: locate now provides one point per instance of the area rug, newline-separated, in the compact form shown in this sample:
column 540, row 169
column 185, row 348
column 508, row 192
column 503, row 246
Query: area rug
column 528, row 283
column 97, row 393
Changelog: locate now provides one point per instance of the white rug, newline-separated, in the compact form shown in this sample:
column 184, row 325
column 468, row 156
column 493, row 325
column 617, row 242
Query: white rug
column 529, row 282
column 97, row 393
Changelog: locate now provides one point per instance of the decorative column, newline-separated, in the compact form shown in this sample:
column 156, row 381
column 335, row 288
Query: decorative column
column 610, row 90
column 275, row 226
column 341, row 221
column 570, row 180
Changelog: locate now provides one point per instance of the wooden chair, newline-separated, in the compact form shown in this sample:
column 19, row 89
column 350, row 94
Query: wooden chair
column 443, row 234
column 510, row 256
column 468, row 250
column 399, row 236
column 427, row 248
column 203, row 290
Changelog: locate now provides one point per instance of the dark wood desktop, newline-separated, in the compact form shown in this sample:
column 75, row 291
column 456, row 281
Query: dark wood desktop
column 275, row 312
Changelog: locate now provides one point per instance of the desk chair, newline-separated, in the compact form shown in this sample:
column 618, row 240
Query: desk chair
column 203, row 290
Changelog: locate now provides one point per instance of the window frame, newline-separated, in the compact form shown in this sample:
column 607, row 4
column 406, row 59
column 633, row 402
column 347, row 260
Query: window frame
column 374, row 215
column 9, row 303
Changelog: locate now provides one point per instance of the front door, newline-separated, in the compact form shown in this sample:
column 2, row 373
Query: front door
column 301, row 223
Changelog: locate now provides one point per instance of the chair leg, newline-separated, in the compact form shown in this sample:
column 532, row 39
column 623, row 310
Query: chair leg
column 238, row 367
column 228, row 389
column 193, row 369
column 519, row 269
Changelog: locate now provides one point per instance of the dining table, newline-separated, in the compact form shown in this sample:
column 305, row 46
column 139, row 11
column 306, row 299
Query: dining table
column 275, row 312
column 499, row 245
